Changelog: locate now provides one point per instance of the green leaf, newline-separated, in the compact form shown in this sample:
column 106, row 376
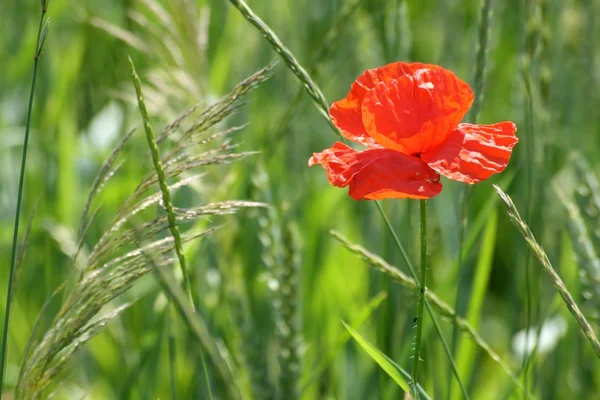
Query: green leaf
column 384, row 362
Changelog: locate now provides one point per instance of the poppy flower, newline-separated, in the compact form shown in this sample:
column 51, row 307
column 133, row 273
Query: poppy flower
column 408, row 115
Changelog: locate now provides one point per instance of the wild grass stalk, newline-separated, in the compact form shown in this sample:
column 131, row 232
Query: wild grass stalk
column 117, row 260
column 10, row 291
column 321, row 52
column 162, row 182
column 289, row 59
column 540, row 254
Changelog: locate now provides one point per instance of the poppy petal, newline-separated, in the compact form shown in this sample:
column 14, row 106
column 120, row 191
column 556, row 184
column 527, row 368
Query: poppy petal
column 378, row 173
column 415, row 113
column 346, row 114
column 473, row 153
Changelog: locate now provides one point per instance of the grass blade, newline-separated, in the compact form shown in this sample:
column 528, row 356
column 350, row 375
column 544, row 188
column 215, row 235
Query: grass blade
column 363, row 316
column 391, row 368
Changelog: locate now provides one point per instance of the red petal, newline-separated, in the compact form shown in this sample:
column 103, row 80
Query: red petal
column 346, row 114
column 415, row 113
column 378, row 173
column 473, row 153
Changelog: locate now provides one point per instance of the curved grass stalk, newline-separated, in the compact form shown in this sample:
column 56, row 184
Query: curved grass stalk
column 559, row 285
column 289, row 58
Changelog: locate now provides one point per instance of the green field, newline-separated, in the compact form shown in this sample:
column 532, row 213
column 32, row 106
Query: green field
column 188, row 251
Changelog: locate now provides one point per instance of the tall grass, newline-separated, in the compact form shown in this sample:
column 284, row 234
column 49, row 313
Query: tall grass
column 10, row 291
column 96, row 267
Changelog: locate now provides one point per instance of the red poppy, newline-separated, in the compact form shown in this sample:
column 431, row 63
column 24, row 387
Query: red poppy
column 408, row 116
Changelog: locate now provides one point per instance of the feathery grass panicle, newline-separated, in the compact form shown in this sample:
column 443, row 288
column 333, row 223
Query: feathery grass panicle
column 183, row 157
column 117, row 261
column 104, row 174
column 441, row 307
column 540, row 254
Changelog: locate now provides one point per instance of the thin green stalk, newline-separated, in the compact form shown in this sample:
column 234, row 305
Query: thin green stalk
column 429, row 311
column 172, row 351
column 421, row 298
column 13, row 255
column 162, row 182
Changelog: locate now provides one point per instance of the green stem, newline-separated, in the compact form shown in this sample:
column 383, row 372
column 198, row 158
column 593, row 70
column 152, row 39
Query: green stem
column 421, row 298
column 13, row 254
column 429, row 310
column 172, row 350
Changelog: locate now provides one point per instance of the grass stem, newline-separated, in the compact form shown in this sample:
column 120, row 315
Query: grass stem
column 13, row 254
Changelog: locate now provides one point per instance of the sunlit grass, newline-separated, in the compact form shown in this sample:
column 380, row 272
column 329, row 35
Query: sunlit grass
column 272, row 285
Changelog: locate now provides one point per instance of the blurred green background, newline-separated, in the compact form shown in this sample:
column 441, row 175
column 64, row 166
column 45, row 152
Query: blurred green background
column 542, row 73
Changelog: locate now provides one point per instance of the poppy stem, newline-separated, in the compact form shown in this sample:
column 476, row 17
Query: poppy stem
column 420, row 298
